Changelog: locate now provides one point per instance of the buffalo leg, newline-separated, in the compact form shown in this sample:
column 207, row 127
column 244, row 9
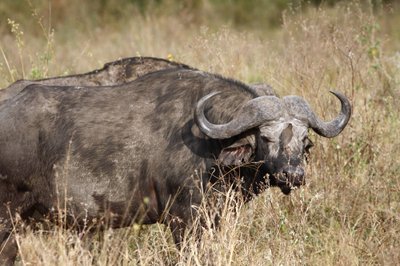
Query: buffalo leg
column 178, row 229
column 8, row 248
column 8, row 245
column 12, row 200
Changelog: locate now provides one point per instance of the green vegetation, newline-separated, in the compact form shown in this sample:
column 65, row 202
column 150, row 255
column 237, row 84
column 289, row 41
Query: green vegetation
column 347, row 214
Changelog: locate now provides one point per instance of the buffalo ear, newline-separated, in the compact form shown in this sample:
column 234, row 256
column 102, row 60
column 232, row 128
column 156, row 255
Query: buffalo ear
column 238, row 153
column 235, row 156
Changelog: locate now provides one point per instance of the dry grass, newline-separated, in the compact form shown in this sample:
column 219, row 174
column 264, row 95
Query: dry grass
column 347, row 214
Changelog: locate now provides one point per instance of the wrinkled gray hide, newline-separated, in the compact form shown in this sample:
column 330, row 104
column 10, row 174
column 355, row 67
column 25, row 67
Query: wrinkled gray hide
column 147, row 151
column 113, row 73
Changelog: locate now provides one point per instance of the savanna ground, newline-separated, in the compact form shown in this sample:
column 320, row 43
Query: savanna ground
column 348, row 213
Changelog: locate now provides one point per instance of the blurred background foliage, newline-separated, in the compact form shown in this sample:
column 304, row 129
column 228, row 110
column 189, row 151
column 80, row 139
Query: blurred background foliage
column 100, row 13
column 32, row 31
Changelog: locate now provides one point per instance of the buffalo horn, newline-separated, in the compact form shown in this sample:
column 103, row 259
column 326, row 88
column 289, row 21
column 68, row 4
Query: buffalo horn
column 254, row 113
column 301, row 109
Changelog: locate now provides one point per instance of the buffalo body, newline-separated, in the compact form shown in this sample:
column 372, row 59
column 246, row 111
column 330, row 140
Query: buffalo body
column 148, row 150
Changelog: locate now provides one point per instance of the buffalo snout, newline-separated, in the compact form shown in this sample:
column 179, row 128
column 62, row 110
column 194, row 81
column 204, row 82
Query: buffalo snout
column 289, row 178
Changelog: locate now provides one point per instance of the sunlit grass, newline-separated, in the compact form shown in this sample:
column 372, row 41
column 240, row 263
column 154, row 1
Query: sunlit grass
column 348, row 212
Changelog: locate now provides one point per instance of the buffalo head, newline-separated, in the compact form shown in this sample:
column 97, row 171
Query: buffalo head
column 280, row 139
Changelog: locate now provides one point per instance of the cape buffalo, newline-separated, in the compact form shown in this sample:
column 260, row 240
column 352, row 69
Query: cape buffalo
column 146, row 150
column 112, row 73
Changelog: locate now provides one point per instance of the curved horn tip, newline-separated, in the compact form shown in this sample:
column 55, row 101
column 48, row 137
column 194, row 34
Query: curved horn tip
column 337, row 93
column 199, row 117
column 201, row 102
column 333, row 92
column 212, row 94
column 334, row 127
column 343, row 98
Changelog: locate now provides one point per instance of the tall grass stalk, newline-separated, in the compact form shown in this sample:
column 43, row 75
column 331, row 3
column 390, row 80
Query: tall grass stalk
column 348, row 212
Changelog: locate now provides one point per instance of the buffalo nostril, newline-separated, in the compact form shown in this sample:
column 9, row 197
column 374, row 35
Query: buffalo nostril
column 294, row 175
